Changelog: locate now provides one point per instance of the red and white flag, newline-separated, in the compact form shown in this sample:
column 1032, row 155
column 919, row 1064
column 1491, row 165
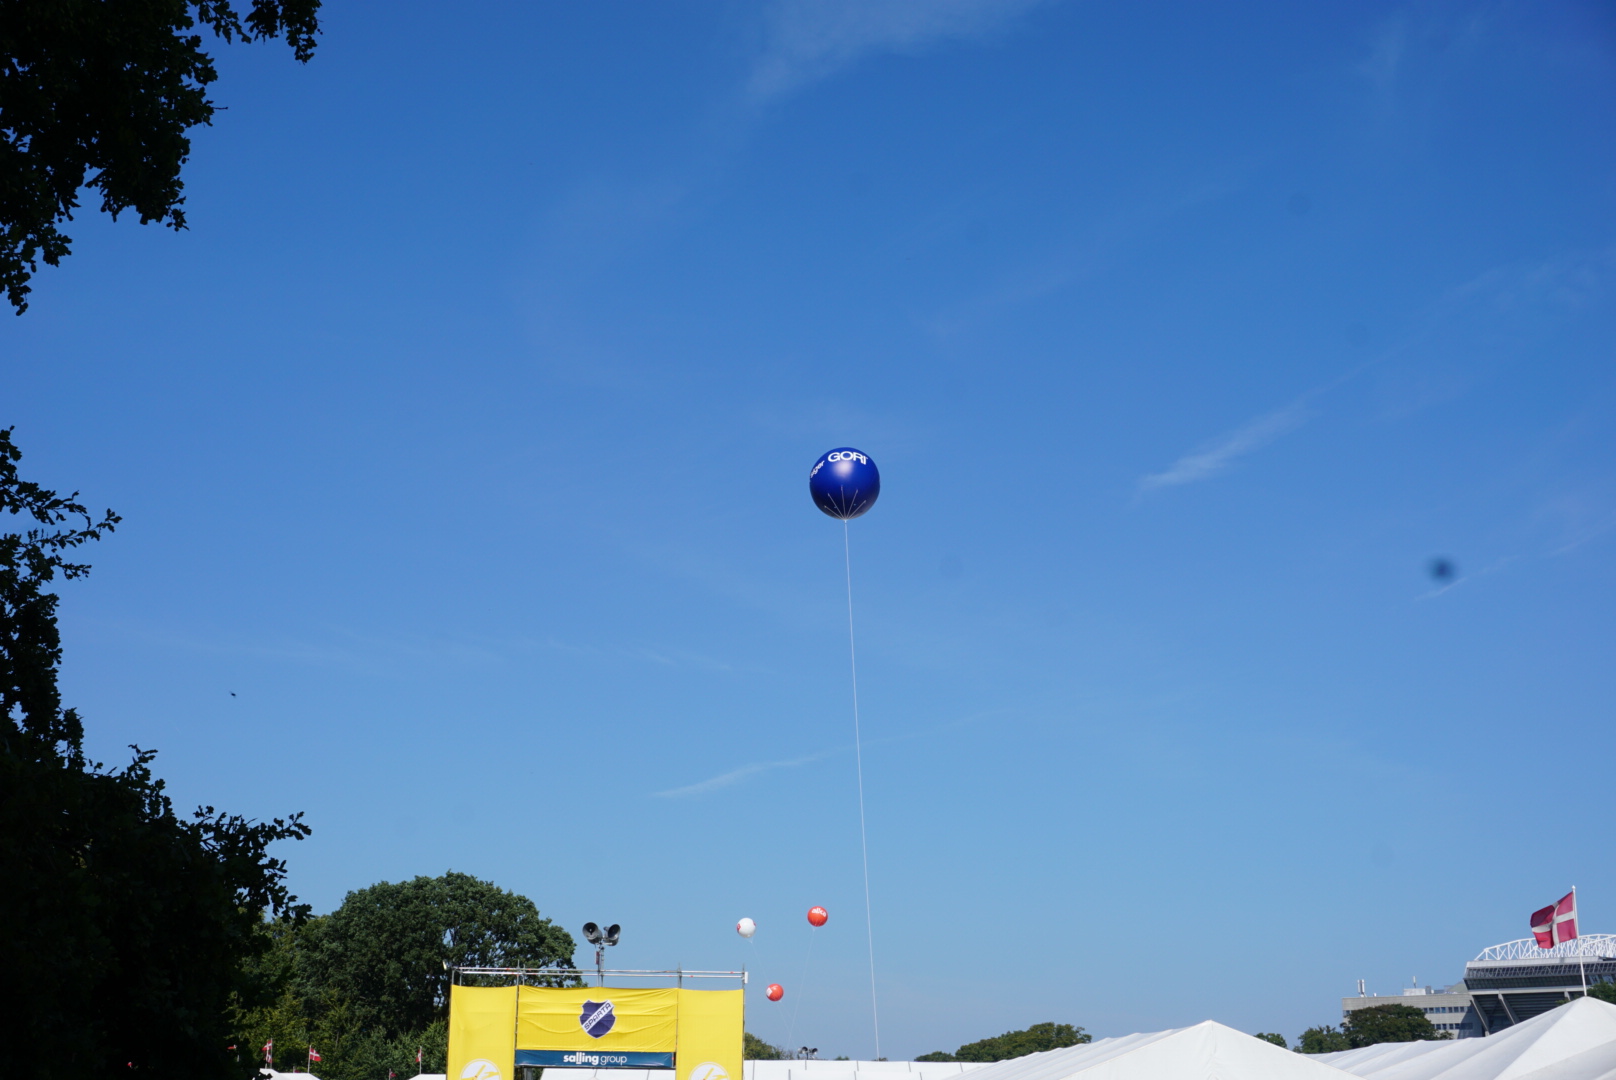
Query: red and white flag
column 418, row 1055
column 269, row 1052
column 1557, row 922
column 314, row 1055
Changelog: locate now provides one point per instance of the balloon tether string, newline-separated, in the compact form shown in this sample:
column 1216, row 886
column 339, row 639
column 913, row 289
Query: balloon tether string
column 803, row 986
column 858, row 757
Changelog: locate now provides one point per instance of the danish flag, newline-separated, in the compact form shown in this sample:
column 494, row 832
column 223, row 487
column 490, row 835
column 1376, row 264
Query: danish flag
column 269, row 1052
column 1557, row 922
column 314, row 1055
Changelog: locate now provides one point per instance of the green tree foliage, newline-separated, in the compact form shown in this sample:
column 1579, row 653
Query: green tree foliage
column 385, row 947
column 109, row 896
column 1604, row 990
column 1276, row 1039
column 1389, row 1024
column 348, row 1049
column 1371, row 1026
column 755, row 1049
column 366, row 985
column 101, row 95
column 1322, row 1040
column 1014, row 1044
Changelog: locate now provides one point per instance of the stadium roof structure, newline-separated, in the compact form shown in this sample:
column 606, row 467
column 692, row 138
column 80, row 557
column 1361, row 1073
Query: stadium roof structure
column 1516, row 981
column 1573, row 1042
column 1588, row 946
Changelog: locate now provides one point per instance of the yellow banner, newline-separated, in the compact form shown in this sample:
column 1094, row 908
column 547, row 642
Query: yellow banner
column 710, row 1026
column 482, row 1020
column 600, row 1020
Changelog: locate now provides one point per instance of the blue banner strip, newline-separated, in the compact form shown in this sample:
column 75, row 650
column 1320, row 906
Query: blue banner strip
column 593, row 1059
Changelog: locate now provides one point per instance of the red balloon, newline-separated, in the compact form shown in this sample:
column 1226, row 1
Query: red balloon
column 776, row 991
column 817, row 915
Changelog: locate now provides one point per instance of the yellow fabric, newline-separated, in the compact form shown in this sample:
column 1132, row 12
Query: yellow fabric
column 710, row 1026
column 551, row 1018
column 482, row 1023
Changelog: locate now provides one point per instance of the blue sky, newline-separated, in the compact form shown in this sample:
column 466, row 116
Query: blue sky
column 464, row 437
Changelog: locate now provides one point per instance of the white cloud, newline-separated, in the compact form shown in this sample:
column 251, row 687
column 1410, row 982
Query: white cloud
column 1582, row 531
column 1498, row 317
column 1485, row 571
column 1410, row 44
column 807, row 40
column 723, row 780
column 1208, row 462
column 1386, row 55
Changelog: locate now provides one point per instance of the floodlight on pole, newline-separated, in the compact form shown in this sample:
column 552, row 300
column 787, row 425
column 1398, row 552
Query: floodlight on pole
column 600, row 939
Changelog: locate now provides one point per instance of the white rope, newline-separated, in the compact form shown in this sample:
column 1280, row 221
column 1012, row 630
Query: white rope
column 802, row 988
column 858, row 755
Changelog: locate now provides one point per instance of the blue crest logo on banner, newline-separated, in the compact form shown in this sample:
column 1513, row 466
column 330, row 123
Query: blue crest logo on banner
column 597, row 1018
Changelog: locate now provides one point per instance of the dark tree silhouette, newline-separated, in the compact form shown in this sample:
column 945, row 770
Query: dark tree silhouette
column 100, row 95
column 127, row 929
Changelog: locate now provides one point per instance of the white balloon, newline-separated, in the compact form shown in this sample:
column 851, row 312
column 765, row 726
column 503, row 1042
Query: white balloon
column 746, row 928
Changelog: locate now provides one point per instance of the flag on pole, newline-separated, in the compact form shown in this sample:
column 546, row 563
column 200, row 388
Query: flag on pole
column 314, row 1055
column 418, row 1055
column 269, row 1052
column 1557, row 922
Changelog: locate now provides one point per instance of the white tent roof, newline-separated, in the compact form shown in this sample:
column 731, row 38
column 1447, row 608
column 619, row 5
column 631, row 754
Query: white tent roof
column 797, row 1070
column 1574, row 1042
column 858, row 1070
column 1207, row 1051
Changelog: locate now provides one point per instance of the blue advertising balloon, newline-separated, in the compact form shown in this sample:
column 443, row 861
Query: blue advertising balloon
column 844, row 483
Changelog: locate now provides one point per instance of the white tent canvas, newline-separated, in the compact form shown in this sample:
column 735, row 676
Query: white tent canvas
column 796, row 1070
column 1207, row 1051
column 858, row 1070
column 1574, row 1042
